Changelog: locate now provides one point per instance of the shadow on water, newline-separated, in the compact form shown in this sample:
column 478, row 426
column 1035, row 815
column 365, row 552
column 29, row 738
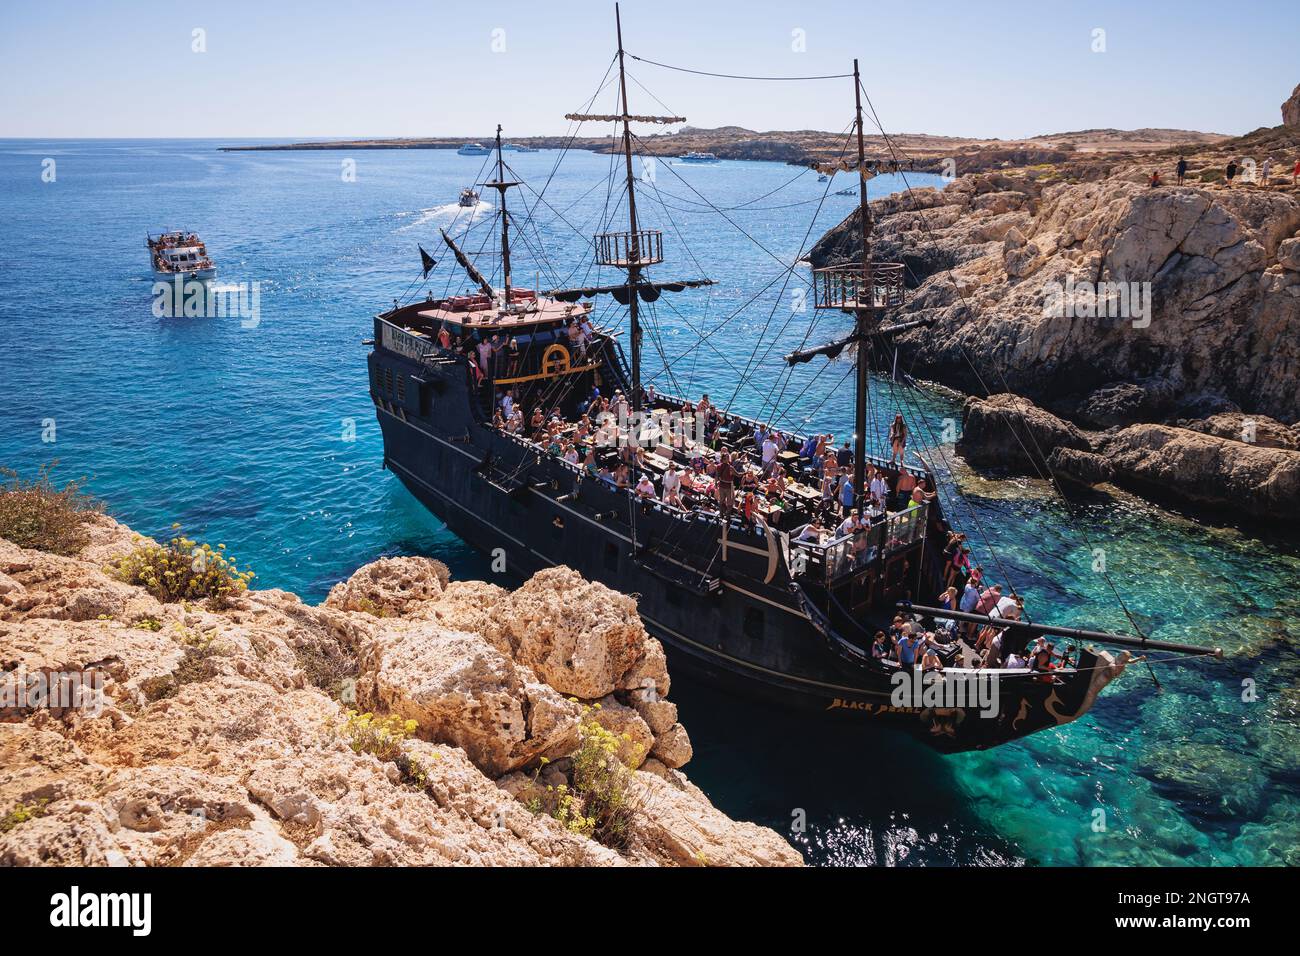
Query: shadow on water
column 780, row 769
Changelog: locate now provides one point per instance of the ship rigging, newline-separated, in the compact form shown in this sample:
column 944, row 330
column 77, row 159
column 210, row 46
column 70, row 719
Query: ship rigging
column 765, row 561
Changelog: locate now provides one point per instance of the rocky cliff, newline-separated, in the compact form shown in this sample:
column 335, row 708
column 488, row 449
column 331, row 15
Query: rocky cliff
column 1105, row 301
column 1291, row 109
column 223, row 736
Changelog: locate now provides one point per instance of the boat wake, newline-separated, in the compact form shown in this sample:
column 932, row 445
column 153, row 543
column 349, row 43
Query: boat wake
column 446, row 213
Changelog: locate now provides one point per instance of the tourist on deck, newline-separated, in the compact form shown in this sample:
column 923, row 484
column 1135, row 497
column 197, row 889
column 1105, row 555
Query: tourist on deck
column 847, row 497
column 672, row 481
column 487, row 351
column 906, row 647
column 589, row 463
column 879, row 488
column 921, row 495
column 989, row 599
column 813, row 532
column 830, row 481
column 508, row 403
column 769, row 450
column 512, row 356
column 622, row 476
column 1041, row 660
column 850, row 525
column 970, row 599
column 903, row 490
column 880, row 647
column 993, row 650
column 930, row 661
column 1182, row 169
column 726, row 478
column 444, row 336
column 750, row 509
column 897, row 440
column 645, row 487
column 844, row 457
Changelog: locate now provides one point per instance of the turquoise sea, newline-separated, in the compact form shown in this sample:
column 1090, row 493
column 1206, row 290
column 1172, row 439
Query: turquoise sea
column 261, row 435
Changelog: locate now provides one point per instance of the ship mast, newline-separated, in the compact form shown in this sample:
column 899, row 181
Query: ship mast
column 634, row 246
column 863, row 316
column 637, row 248
column 500, row 184
column 865, row 289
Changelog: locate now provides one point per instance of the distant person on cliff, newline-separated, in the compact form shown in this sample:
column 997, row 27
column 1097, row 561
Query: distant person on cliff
column 1231, row 171
column 1155, row 179
column 1182, row 169
column 1295, row 173
column 1265, row 169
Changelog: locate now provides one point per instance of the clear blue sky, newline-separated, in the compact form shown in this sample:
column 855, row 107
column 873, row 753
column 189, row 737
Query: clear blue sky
column 427, row 67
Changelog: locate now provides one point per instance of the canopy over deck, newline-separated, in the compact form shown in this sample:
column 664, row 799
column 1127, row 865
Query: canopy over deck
column 526, row 311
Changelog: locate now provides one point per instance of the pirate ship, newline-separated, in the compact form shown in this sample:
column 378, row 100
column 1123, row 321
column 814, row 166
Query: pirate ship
column 514, row 415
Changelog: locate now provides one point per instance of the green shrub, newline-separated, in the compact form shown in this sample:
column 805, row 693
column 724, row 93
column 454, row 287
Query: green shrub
column 35, row 514
column 384, row 737
column 597, row 800
column 21, row 814
column 183, row 569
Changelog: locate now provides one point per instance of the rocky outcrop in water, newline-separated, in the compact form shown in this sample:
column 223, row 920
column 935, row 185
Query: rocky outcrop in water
column 221, row 737
column 1222, row 464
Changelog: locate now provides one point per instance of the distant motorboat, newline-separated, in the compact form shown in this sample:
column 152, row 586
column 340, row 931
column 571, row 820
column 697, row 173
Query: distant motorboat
column 468, row 197
column 473, row 149
column 180, row 255
column 698, row 157
column 823, row 178
column 520, row 147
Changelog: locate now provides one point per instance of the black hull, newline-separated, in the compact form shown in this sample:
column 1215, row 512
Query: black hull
column 737, row 624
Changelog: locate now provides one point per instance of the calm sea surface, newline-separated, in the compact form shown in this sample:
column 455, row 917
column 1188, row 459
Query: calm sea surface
column 240, row 431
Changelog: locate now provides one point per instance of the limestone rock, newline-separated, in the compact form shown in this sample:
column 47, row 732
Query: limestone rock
column 222, row 737
column 673, row 747
column 390, row 587
column 578, row 636
column 1291, row 109
column 1011, row 432
column 463, row 691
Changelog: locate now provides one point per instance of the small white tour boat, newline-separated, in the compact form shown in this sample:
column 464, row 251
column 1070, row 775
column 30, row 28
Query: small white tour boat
column 473, row 149
column 180, row 255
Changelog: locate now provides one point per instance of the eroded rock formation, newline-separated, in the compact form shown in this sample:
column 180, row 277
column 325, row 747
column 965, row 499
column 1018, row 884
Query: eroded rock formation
column 1222, row 463
column 220, row 738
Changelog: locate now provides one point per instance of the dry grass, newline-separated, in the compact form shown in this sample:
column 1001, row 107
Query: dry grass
column 36, row 514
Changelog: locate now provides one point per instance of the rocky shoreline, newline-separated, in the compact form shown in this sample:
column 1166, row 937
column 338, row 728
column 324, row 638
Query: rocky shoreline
column 229, row 735
column 1149, row 336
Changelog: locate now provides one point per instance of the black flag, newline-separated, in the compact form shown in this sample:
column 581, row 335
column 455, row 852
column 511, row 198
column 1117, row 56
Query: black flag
column 427, row 261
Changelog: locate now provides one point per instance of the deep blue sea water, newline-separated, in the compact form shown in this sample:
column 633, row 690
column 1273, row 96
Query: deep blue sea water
column 241, row 434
